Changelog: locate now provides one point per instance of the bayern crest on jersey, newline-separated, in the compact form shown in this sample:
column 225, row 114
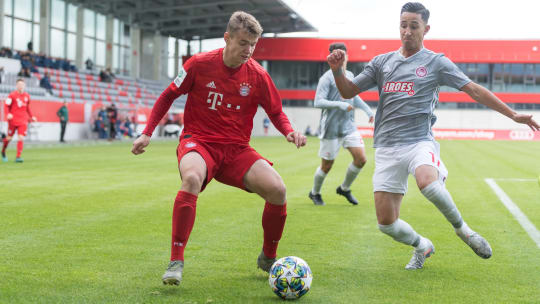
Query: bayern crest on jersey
column 245, row 88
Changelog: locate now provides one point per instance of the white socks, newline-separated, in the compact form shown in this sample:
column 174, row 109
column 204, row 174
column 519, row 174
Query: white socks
column 464, row 231
column 318, row 181
column 436, row 193
column 402, row 232
column 350, row 176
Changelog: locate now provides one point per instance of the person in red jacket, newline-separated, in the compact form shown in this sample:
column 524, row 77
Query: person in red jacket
column 18, row 115
column 225, row 87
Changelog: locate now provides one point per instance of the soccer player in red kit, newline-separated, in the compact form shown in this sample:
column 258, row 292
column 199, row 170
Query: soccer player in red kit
column 18, row 115
column 225, row 88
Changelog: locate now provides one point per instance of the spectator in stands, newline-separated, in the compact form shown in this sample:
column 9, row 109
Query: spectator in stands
column 30, row 46
column 2, row 72
column 24, row 72
column 102, row 123
column 27, row 63
column 89, row 64
column 104, row 77
column 110, row 73
column 45, row 83
column 128, row 127
column 6, row 52
column 64, row 116
column 112, row 113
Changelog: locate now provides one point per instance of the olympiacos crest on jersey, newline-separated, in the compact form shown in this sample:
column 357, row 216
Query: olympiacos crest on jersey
column 245, row 88
column 421, row 71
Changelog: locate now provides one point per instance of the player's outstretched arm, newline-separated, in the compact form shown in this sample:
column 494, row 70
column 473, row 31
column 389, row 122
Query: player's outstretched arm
column 346, row 88
column 359, row 103
column 140, row 143
column 297, row 138
column 487, row 98
column 321, row 100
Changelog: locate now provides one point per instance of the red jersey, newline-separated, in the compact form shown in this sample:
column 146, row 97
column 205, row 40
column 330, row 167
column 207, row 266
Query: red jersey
column 18, row 104
column 221, row 101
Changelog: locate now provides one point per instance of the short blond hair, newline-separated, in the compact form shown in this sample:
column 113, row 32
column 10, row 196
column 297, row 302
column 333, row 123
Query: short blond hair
column 242, row 20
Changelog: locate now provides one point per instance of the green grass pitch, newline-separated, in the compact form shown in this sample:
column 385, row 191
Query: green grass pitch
column 92, row 225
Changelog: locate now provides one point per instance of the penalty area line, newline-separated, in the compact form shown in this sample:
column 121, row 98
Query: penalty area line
column 515, row 211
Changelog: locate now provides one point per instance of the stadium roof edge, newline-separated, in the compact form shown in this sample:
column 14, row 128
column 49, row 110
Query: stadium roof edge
column 198, row 19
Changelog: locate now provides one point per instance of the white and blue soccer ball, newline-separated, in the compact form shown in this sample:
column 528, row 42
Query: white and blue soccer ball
column 290, row 277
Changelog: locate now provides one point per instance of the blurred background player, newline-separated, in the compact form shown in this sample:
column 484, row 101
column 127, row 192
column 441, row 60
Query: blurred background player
column 338, row 129
column 18, row 115
column 266, row 124
column 63, row 115
column 408, row 82
column 224, row 88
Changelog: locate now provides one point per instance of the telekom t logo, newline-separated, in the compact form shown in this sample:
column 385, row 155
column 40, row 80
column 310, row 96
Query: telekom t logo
column 213, row 99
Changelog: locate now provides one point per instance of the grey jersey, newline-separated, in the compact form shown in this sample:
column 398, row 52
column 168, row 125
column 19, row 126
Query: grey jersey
column 335, row 120
column 408, row 93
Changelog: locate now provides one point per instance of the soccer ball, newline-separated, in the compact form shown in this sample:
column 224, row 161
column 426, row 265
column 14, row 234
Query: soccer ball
column 290, row 277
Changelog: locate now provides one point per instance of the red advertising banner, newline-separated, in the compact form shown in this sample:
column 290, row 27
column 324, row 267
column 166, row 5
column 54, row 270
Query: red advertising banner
column 479, row 134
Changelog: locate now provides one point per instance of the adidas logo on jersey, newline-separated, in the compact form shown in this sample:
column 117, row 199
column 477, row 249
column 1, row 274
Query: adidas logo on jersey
column 211, row 84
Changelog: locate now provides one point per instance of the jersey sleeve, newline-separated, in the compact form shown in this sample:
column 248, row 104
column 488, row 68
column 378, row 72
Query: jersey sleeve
column 181, row 85
column 359, row 103
column 368, row 77
column 450, row 75
column 322, row 94
column 271, row 103
column 8, row 102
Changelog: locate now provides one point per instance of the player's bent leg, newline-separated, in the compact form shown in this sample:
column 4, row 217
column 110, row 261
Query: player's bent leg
column 318, row 179
column 435, row 191
column 5, row 143
column 427, row 179
column 387, row 207
column 20, row 145
column 359, row 160
column 193, row 172
column 262, row 179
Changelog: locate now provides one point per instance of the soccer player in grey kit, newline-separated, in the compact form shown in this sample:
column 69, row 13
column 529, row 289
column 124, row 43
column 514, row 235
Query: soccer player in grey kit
column 338, row 129
column 408, row 81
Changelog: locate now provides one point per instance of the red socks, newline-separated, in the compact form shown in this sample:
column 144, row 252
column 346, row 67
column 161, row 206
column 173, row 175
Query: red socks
column 6, row 143
column 20, row 145
column 273, row 222
column 183, row 219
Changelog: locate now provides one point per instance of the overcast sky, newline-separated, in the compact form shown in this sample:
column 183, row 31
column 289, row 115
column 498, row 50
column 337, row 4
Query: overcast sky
column 450, row 19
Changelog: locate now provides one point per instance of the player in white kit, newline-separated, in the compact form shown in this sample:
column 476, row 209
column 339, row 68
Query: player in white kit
column 408, row 81
column 338, row 129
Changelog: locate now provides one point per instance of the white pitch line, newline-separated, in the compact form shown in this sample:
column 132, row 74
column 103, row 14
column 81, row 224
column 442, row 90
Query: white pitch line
column 515, row 179
column 516, row 212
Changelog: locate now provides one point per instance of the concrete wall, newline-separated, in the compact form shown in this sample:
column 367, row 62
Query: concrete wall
column 48, row 131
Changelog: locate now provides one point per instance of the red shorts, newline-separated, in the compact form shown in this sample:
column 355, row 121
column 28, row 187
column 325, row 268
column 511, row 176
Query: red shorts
column 21, row 129
column 227, row 163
